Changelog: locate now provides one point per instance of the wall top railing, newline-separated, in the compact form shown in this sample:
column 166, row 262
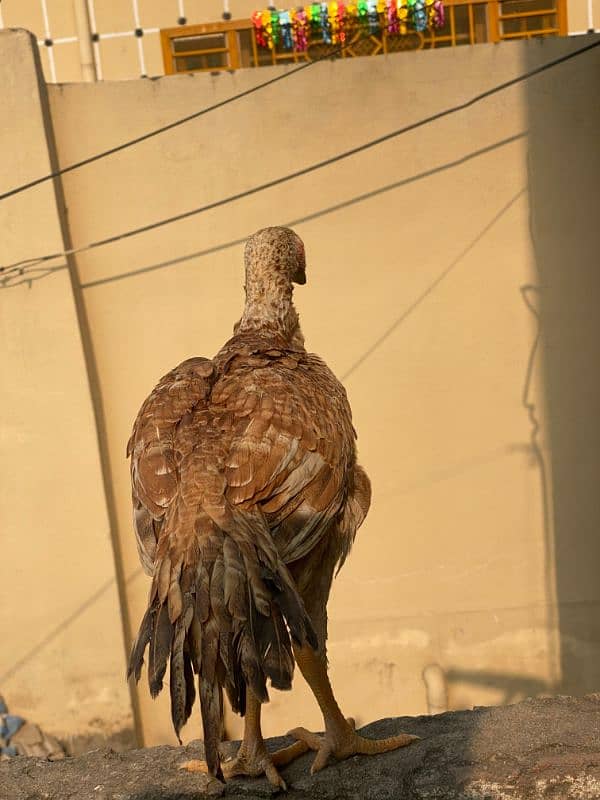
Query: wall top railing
column 236, row 44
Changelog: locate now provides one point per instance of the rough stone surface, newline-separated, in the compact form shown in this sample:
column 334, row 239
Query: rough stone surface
column 544, row 748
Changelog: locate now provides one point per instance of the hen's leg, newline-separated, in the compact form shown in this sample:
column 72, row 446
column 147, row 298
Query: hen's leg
column 252, row 758
column 340, row 739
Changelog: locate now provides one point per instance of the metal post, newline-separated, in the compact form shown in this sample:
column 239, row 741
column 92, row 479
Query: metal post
column 84, row 34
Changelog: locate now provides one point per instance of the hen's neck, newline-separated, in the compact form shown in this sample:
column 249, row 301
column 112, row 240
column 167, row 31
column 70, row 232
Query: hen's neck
column 269, row 309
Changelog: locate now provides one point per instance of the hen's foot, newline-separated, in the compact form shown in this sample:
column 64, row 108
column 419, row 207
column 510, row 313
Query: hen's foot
column 256, row 760
column 342, row 742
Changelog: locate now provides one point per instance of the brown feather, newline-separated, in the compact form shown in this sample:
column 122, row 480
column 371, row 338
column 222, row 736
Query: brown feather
column 136, row 659
column 210, row 648
column 235, row 581
column 251, row 667
column 160, row 646
column 212, row 709
column 174, row 596
column 194, row 643
column 278, row 661
column 164, row 578
column 190, row 690
column 178, row 676
column 202, row 593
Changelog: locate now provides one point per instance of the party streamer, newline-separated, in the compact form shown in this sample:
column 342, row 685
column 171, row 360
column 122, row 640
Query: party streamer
column 334, row 22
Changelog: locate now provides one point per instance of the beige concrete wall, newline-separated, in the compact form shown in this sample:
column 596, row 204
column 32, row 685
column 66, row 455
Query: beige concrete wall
column 61, row 653
column 417, row 251
column 455, row 564
column 119, row 55
column 564, row 176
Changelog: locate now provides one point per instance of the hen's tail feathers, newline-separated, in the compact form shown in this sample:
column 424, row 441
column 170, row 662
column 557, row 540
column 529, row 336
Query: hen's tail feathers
column 226, row 616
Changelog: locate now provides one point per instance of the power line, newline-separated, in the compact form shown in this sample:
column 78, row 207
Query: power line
column 39, row 273
column 343, row 204
column 24, row 264
column 169, row 126
column 432, row 286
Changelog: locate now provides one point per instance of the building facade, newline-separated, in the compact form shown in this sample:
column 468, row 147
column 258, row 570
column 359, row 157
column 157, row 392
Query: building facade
column 121, row 39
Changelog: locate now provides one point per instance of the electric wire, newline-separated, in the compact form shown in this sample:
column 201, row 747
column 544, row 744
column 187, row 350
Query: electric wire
column 169, row 126
column 22, row 265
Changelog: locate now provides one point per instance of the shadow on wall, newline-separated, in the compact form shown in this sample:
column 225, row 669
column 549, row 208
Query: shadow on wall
column 514, row 688
column 564, row 180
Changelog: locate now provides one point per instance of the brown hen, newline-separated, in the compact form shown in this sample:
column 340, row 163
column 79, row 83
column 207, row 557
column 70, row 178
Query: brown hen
column 246, row 496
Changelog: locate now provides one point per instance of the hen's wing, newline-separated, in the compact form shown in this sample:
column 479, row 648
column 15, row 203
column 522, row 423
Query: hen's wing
column 292, row 453
column 154, row 450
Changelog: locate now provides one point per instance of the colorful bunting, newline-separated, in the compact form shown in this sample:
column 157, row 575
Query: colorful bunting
column 334, row 22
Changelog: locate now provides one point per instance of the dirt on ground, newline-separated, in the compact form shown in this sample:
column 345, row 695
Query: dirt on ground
column 542, row 748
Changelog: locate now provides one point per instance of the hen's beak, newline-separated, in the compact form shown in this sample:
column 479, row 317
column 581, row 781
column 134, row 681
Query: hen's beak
column 299, row 276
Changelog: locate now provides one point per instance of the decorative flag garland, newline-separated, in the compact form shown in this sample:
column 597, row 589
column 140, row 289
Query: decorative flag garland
column 334, row 22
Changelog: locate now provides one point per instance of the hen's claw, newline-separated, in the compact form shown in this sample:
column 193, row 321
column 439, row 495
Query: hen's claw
column 258, row 761
column 345, row 742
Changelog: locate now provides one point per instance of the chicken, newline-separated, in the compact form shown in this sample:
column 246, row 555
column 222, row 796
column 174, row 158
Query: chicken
column 247, row 497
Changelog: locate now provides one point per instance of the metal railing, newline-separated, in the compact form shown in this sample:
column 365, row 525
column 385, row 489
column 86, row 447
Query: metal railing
column 231, row 45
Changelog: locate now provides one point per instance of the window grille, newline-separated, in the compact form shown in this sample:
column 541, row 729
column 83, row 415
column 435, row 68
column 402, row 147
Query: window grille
column 210, row 47
column 190, row 49
column 230, row 44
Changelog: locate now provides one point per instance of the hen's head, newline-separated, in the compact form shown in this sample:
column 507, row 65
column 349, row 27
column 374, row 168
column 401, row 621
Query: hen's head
column 276, row 250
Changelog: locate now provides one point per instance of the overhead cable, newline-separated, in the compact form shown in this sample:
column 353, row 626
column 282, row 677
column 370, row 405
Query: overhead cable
column 20, row 266
column 169, row 126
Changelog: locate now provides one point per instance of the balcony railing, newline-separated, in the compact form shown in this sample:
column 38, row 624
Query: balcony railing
column 232, row 45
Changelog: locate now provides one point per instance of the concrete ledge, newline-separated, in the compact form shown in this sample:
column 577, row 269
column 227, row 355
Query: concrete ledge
column 542, row 748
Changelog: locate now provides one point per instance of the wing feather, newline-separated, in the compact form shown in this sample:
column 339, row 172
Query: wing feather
column 154, row 449
column 292, row 455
